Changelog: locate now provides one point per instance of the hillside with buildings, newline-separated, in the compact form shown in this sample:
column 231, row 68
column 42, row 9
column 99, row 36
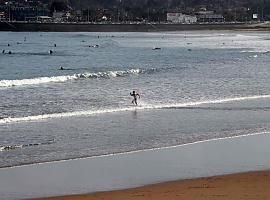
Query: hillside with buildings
column 140, row 11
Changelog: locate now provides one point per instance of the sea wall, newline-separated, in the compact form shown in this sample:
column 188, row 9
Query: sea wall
column 87, row 27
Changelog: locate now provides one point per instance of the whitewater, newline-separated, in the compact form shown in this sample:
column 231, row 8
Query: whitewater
column 75, row 102
column 130, row 108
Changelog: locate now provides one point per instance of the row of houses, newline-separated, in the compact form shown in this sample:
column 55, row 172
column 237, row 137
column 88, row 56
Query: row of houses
column 172, row 17
column 199, row 17
column 22, row 10
column 34, row 15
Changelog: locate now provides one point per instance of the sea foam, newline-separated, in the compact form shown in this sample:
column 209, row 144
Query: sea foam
column 131, row 108
column 13, row 147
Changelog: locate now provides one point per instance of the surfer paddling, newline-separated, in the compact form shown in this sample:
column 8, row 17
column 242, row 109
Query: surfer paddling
column 134, row 95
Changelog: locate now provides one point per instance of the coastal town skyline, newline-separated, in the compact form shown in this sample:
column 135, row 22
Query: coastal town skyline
column 127, row 11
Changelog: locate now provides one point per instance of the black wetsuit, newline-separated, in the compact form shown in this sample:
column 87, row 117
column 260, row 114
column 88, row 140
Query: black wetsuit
column 134, row 101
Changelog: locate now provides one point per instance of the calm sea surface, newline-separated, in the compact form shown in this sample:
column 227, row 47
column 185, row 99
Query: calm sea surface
column 194, row 86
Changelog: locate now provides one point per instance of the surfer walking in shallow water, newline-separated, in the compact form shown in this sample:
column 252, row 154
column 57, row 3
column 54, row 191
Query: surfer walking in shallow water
column 135, row 94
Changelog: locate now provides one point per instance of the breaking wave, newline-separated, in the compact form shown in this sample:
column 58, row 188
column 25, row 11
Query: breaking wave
column 42, row 80
column 131, row 108
column 35, row 81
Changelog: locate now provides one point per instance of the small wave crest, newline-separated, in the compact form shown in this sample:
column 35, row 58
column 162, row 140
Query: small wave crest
column 142, row 107
column 10, row 147
column 42, row 80
column 262, row 51
column 110, row 74
column 13, row 147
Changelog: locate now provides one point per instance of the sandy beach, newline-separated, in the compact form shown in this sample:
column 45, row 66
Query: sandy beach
column 251, row 185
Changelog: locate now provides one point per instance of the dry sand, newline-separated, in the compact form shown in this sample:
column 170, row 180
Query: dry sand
column 244, row 186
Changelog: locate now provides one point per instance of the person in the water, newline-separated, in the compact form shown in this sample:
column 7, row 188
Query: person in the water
column 134, row 94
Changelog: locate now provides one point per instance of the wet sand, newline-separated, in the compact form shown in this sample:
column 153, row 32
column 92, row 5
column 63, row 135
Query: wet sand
column 132, row 170
column 251, row 185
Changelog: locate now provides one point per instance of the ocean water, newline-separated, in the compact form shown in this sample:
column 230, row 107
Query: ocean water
column 196, row 86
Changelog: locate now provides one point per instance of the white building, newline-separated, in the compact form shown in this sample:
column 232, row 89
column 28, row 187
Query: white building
column 181, row 18
column 44, row 19
column 2, row 16
column 58, row 15
column 209, row 16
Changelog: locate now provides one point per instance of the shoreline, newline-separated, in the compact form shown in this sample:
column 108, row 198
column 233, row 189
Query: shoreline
column 118, row 172
column 246, row 185
column 132, row 27
column 136, row 151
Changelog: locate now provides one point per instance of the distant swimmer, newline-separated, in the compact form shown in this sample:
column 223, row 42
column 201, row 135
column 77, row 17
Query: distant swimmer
column 9, row 52
column 134, row 94
column 3, row 51
column 54, row 45
column 8, row 45
column 50, row 52
column 94, row 46
column 63, row 68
